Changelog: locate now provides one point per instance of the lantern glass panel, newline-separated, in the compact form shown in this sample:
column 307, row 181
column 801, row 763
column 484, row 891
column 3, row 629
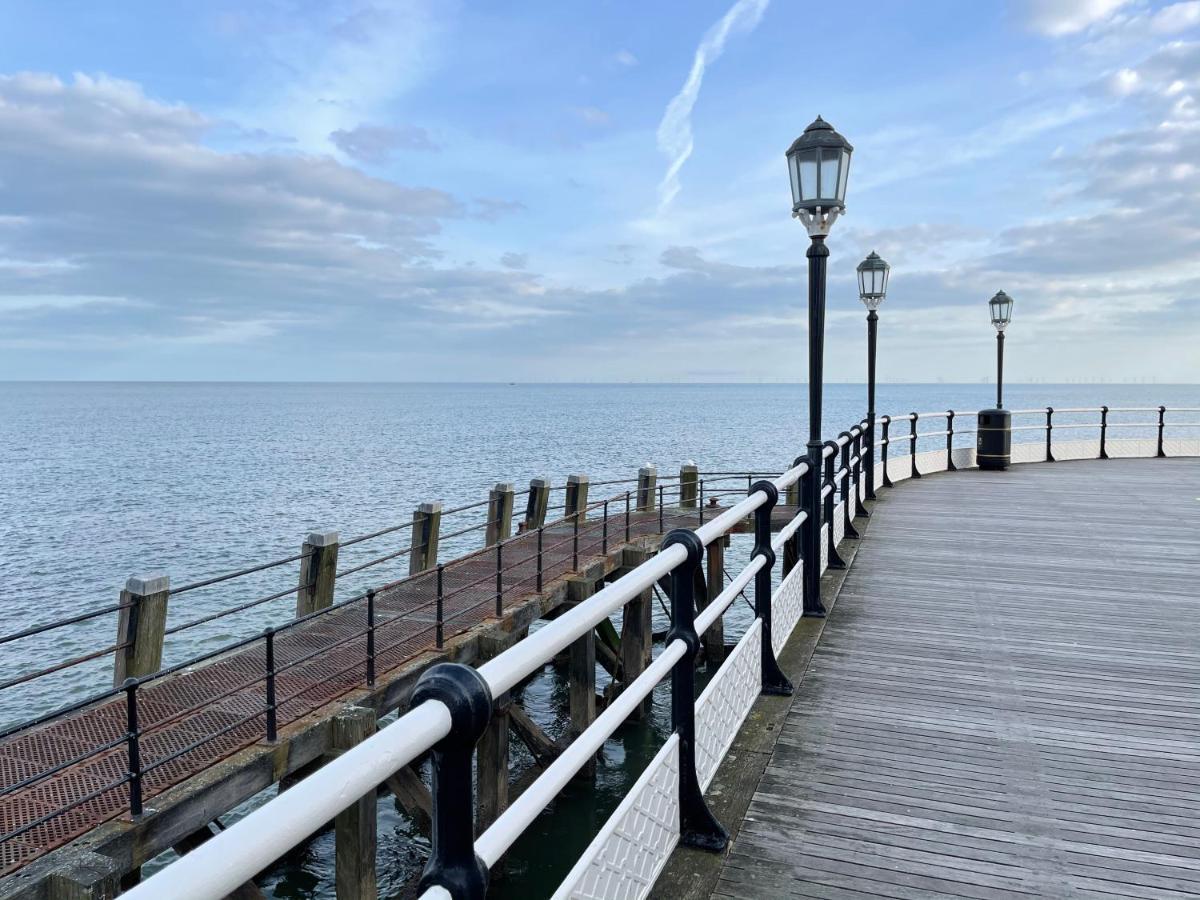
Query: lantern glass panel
column 794, row 174
column 844, row 171
column 808, row 176
column 829, row 174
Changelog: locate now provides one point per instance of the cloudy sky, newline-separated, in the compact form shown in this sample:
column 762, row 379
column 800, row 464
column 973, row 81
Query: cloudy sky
column 592, row 191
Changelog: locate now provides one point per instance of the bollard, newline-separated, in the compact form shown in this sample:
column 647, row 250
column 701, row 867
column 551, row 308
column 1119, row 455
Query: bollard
column 427, row 522
column 697, row 825
column 141, row 626
column 499, row 514
column 646, row 487
column 453, row 864
column 689, row 477
column 318, row 569
column 577, row 497
column 539, row 500
column 774, row 682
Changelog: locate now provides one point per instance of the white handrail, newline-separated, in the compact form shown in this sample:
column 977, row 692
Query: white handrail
column 786, row 532
column 220, row 865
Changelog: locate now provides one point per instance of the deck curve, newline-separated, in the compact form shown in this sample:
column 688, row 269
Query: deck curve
column 1004, row 702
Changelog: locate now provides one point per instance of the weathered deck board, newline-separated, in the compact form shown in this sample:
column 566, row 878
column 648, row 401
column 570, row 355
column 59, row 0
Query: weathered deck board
column 1006, row 701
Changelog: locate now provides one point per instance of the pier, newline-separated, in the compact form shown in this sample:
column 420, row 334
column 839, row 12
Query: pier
column 995, row 641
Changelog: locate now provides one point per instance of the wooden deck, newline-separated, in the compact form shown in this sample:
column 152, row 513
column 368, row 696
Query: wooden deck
column 1005, row 702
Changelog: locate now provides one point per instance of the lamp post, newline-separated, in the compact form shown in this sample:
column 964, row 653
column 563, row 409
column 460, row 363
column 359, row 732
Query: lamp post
column 993, row 449
column 818, row 165
column 872, row 289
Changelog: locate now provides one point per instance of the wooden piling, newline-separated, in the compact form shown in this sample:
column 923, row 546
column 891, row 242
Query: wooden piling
column 141, row 626
column 581, row 671
column 636, row 631
column 88, row 876
column 491, row 766
column 539, row 500
column 689, row 482
column 577, row 496
column 647, row 486
column 318, row 569
column 714, row 638
column 354, row 827
column 500, row 513
column 427, row 522
column 412, row 796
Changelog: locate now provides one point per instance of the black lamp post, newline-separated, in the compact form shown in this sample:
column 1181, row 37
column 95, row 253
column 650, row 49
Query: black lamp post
column 818, row 164
column 993, row 449
column 872, row 289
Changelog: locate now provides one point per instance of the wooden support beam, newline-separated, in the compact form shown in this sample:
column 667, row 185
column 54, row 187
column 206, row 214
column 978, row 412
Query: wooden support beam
column 318, row 568
column 541, row 747
column 636, row 637
column 88, row 876
column 412, row 796
column 647, row 488
column 689, row 482
column 491, row 766
column 539, row 500
column 714, row 638
column 577, row 496
column 427, row 523
column 141, row 626
column 581, row 671
column 500, row 513
column 354, row 827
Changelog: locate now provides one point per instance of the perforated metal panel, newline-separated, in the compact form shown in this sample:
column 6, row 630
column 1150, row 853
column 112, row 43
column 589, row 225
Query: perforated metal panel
column 725, row 702
column 787, row 605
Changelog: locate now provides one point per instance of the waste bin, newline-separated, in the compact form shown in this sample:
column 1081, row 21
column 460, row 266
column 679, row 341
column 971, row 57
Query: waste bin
column 993, row 439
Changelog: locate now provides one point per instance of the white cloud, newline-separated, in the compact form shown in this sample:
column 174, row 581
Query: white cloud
column 626, row 58
column 1176, row 17
column 1058, row 18
column 675, row 130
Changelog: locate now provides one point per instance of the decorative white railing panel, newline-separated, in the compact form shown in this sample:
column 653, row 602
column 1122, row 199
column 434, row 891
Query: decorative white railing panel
column 787, row 605
column 1027, row 452
column 839, row 524
column 964, row 457
column 824, row 548
column 899, row 467
column 1181, row 446
column 635, row 843
column 1130, row 447
column 930, row 461
column 1064, row 450
column 724, row 703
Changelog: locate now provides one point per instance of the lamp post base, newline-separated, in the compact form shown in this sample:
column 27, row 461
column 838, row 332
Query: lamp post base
column 993, row 446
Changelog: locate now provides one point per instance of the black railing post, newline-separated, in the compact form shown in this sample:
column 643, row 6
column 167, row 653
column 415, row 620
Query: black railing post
column 1104, row 432
column 848, row 529
column 1162, row 412
column 884, row 443
column 604, row 533
column 370, row 637
column 697, row 825
column 440, row 612
column 500, row 580
column 912, row 444
column 809, row 553
column 833, row 558
column 627, row 517
column 539, row 549
column 661, row 526
column 132, row 736
column 453, row 864
column 1049, row 432
column 773, row 680
column 700, row 502
column 575, row 543
column 860, row 496
column 272, row 708
column 950, row 466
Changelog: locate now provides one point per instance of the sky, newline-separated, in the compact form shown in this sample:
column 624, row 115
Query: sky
column 592, row 191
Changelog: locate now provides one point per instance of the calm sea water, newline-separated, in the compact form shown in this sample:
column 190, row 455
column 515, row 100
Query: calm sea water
column 101, row 481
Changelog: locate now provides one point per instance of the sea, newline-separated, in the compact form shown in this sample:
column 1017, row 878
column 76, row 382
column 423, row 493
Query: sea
column 101, row 481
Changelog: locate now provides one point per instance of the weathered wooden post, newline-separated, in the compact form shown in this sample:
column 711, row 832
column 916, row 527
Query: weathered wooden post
column 318, row 569
column 636, row 628
column 581, row 670
column 539, row 500
column 354, row 827
column 577, row 496
column 499, row 513
column 714, row 638
column 647, row 483
column 87, row 876
column 689, row 480
column 427, row 523
column 491, row 762
column 141, row 626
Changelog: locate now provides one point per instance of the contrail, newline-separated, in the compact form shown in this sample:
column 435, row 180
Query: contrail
column 675, row 129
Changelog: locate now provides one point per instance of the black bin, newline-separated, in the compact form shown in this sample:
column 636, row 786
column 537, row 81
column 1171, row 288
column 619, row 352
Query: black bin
column 993, row 440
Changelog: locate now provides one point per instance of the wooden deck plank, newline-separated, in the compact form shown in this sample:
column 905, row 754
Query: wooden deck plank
column 1004, row 702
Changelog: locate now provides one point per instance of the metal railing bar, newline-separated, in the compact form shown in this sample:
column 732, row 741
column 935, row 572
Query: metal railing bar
column 58, row 667
column 250, row 570
column 62, row 623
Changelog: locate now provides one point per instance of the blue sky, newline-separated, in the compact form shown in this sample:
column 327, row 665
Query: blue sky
column 456, row 191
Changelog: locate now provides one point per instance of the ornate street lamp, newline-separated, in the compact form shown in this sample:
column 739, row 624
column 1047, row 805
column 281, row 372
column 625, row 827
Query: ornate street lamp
column 993, row 449
column 872, row 290
column 818, row 165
